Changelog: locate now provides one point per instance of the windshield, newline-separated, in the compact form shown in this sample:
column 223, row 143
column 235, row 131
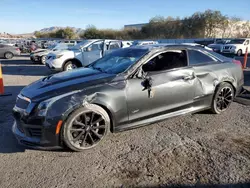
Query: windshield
column 220, row 42
column 118, row 61
column 237, row 41
column 80, row 45
column 60, row 46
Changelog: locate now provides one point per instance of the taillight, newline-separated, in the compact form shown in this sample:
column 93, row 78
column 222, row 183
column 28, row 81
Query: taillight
column 237, row 62
column 17, row 49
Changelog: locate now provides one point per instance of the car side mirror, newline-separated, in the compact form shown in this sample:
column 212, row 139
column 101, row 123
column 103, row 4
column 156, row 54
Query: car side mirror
column 147, row 83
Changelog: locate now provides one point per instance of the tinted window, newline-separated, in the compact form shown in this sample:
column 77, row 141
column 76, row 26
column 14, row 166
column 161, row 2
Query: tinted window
column 114, row 46
column 166, row 61
column 237, row 41
column 196, row 57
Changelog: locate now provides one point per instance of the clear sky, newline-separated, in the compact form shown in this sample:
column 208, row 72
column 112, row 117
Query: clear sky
column 25, row 16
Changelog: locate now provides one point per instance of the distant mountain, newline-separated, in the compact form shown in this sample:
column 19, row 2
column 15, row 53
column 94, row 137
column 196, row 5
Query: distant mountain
column 55, row 28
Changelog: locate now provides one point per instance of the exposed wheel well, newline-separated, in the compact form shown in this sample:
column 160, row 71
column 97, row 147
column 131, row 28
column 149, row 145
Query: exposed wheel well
column 110, row 116
column 9, row 53
column 76, row 61
column 230, row 84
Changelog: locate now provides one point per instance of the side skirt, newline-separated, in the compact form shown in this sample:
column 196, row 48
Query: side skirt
column 200, row 104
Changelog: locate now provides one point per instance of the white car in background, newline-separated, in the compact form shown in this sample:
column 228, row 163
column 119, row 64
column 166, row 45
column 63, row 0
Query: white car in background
column 40, row 55
column 237, row 46
column 218, row 45
column 81, row 54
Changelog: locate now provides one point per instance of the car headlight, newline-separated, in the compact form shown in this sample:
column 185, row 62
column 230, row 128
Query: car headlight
column 58, row 56
column 233, row 47
column 42, row 108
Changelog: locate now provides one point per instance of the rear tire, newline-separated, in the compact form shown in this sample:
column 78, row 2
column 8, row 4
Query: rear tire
column 8, row 55
column 85, row 128
column 223, row 97
column 69, row 66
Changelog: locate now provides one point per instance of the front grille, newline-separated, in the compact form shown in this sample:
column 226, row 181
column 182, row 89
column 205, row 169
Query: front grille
column 35, row 132
column 227, row 47
column 21, row 103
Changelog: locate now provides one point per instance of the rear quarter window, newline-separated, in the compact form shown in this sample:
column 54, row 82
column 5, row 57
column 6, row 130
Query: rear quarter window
column 197, row 57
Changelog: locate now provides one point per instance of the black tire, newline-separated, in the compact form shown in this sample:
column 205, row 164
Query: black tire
column 223, row 97
column 79, row 137
column 69, row 64
column 43, row 59
column 8, row 55
column 239, row 53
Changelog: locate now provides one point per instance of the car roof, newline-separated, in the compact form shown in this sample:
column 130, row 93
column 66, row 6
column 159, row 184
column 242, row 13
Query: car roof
column 166, row 46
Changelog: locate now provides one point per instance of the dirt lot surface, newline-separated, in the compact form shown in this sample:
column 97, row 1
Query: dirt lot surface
column 192, row 150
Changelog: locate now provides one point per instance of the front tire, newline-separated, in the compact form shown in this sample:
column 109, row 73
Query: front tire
column 86, row 128
column 223, row 97
column 239, row 53
column 43, row 59
column 8, row 55
column 69, row 66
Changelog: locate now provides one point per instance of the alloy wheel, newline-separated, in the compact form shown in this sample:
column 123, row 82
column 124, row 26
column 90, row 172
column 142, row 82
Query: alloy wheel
column 71, row 66
column 43, row 59
column 8, row 55
column 224, row 99
column 86, row 130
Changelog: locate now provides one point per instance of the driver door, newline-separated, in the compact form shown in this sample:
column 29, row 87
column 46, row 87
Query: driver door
column 92, row 52
column 170, row 90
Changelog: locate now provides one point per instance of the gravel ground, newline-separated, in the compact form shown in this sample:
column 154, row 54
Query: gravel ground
column 191, row 150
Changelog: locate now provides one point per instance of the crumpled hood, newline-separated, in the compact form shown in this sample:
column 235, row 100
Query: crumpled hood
column 65, row 82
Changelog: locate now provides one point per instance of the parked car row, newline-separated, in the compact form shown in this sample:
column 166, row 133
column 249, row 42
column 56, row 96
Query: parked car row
column 126, row 88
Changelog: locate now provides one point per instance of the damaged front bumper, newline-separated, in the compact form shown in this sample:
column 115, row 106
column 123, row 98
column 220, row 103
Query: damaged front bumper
column 35, row 58
column 35, row 136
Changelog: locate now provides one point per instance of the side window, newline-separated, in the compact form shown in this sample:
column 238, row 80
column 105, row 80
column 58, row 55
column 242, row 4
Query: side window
column 114, row 46
column 196, row 57
column 96, row 46
column 166, row 61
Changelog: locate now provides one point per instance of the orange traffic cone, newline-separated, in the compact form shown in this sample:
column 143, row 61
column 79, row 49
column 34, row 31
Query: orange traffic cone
column 1, row 84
